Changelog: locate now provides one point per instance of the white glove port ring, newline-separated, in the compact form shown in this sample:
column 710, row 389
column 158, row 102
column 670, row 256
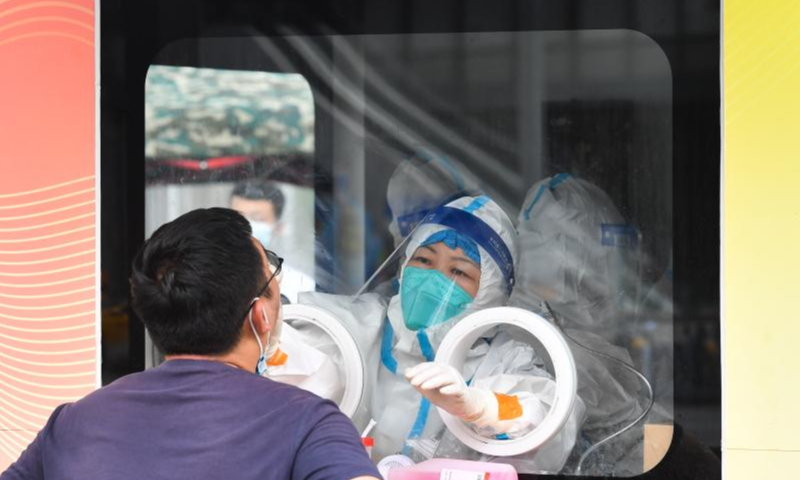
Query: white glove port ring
column 465, row 333
column 351, row 356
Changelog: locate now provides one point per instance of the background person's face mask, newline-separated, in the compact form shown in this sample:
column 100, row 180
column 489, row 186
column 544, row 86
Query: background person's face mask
column 429, row 298
column 262, row 231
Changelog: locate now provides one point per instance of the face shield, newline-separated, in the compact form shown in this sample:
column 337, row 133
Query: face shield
column 419, row 185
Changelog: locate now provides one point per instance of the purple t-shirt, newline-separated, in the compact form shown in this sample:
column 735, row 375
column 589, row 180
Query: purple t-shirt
column 191, row 419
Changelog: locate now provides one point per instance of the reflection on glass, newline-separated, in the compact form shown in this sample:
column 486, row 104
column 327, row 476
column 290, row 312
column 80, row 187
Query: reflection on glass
column 203, row 114
column 235, row 139
column 263, row 203
column 454, row 173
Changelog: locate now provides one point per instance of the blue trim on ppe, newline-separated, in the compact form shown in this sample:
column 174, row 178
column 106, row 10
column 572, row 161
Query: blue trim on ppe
column 558, row 180
column 481, row 233
column 477, row 203
column 422, row 419
column 619, row 235
column 387, row 359
column 390, row 363
column 454, row 240
column 407, row 222
column 419, row 424
column 425, row 346
column 502, row 436
column 536, row 198
column 552, row 184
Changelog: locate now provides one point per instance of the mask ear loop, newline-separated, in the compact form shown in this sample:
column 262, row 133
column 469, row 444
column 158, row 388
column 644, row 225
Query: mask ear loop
column 269, row 351
column 261, row 366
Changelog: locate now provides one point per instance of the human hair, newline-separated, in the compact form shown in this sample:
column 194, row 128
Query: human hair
column 193, row 280
column 260, row 189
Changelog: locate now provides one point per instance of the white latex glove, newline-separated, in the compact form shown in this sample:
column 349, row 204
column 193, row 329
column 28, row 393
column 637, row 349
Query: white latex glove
column 444, row 386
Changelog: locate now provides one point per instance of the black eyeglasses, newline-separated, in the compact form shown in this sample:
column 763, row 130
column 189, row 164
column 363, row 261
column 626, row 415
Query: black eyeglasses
column 274, row 260
column 277, row 262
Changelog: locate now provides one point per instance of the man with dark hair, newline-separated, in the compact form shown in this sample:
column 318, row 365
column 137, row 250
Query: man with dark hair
column 262, row 203
column 207, row 292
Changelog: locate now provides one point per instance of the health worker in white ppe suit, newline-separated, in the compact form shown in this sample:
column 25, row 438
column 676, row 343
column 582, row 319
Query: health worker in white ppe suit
column 578, row 268
column 458, row 260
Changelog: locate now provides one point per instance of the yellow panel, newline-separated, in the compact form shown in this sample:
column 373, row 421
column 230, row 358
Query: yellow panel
column 750, row 465
column 761, row 223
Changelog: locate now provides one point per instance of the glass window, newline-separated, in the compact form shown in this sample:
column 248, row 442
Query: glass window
column 424, row 178
column 234, row 139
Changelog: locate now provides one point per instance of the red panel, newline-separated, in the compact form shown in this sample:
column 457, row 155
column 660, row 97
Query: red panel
column 47, row 213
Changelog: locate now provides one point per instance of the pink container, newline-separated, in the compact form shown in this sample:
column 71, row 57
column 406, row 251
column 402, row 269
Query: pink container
column 450, row 469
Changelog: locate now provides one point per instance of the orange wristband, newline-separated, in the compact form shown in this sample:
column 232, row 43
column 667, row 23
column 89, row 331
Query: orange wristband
column 509, row 406
column 278, row 359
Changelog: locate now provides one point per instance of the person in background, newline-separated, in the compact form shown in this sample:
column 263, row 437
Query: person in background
column 578, row 269
column 262, row 203
column 207, row 292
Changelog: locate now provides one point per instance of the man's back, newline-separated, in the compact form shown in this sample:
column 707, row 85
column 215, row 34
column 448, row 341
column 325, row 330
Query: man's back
column 191, row 419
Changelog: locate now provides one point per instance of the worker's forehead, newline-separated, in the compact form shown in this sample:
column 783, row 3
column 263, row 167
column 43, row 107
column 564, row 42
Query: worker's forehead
column 246, row 203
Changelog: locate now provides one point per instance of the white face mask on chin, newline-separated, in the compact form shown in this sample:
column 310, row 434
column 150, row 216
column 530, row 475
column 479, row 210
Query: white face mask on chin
column 273, row 340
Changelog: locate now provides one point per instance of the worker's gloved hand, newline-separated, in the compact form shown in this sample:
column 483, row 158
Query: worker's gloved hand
column 444, row 386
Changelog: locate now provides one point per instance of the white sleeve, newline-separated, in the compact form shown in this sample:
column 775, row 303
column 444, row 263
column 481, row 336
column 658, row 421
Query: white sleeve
column 513, row 368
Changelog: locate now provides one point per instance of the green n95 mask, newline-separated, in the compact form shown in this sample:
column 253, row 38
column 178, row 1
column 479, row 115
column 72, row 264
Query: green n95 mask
column 429, row 298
